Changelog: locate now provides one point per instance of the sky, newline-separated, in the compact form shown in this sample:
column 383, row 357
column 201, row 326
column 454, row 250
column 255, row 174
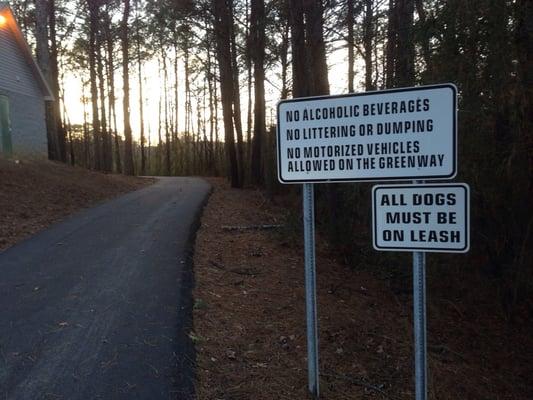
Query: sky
column 153, row 85
column 71, row 82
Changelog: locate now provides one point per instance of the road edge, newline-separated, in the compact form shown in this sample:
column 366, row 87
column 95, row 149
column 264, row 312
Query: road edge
column 185, row 313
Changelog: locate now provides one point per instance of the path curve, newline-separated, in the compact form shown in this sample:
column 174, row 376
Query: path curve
column 99, row 305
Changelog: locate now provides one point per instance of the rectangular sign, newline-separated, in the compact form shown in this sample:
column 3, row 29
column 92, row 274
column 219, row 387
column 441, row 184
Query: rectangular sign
column 398, row 134
column 433, row 218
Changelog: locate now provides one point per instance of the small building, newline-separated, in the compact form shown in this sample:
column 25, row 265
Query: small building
column 23, row 93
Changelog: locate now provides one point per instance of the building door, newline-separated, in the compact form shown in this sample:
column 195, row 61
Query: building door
column 6, row 146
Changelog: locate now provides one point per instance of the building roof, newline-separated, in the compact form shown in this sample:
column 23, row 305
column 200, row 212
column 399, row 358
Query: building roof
column 13, row 25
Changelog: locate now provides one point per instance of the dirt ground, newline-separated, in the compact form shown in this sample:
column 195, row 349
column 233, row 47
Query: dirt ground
column 34, row 194
column 249, row 320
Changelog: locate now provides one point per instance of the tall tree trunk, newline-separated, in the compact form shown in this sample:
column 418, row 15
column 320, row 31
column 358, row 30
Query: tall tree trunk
column 149, row 155
column 128, row 145
column 86, row 152
column 284, row 55
column 392, row 33
column 521, row 163
column 236, row 98
column 350, row 21
column 175, row 130
column 316, row 47
column 377, row 59
column 54, row 83
column 258, row 56
column 106, row 139
column 368, row 36
column 118, row 162
column 188, row 142
column 249, row 83
column 524, row 87
column 93, row 32
column 425, row 40
column 211, row 103
column 223, row 38
column 215, row 109
column 204, row 127
column 68, row 131
column 159, row 153
column 141, row 99
column 405, row 61
column 43, row 59
column 165, row 99
column 300, row 87
column 111, row 84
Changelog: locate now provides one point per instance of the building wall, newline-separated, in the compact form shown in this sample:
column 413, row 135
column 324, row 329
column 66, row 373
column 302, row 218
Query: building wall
column 28, row 126
column 26, row 101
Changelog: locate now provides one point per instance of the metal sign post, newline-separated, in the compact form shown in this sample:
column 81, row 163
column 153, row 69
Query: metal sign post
column 310, row 288
column 419, row 317
column 421, row 218
column 419, row 322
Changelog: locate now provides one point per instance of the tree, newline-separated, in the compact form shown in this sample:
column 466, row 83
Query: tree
column 237, row 120
column 93, row 32
column 350, row 21
column 300, row 87
column 405, row 46
column 54, row 83
column 128, row 145
column 257, row 52
column 391, row 50
column 109, row 41
column 107, row 158
column 368, row 35
column 222, row 25
column 43, row 59
column 316, row 47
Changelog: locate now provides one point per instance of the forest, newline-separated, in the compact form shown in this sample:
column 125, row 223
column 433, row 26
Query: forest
column 222, row 65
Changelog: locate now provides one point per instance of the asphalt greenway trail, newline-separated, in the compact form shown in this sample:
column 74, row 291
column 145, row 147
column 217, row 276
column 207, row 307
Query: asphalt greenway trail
column 99, row 306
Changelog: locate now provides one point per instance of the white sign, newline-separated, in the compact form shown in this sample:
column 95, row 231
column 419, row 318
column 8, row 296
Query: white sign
column 431, row 218
column 399, row 134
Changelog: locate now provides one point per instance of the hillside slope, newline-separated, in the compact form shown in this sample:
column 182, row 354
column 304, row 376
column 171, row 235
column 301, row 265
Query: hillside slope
column 249, row 317
column 34, row 194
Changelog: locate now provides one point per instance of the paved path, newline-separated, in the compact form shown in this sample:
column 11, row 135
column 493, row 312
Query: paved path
column 99, row 306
